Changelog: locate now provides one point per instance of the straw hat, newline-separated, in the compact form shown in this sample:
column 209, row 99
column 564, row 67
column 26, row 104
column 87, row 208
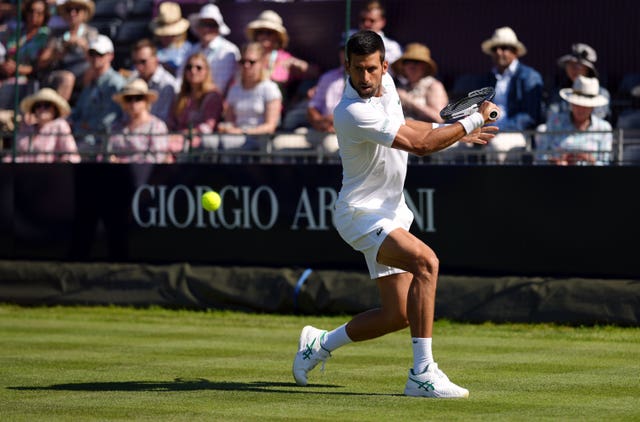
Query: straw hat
column 135, row 87
column 268, row 20
column 210, row 12
column 583, row 54
column 584, row 92
column 169, row 21
column 62, row 7
column 503, row 36
column 46, row 95
column 418, row 52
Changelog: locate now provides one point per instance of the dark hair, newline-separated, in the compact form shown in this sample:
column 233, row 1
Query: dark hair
column 364, row 43
column 26, row 6
column 144, row 43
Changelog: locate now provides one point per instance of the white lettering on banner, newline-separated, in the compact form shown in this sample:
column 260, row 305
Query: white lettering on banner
column 423, row 214
column 248, row 208
column 245, row 208
column 304, row 210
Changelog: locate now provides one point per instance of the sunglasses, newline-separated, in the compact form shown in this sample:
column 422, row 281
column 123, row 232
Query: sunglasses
column 94, row 53
column 197, row 67
column 41, row 104
column 243, row 62
column 503, row 47
column 76, row 9
column 133, row 98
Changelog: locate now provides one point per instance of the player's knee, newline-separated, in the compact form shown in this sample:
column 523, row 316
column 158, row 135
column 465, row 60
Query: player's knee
column 429, row 263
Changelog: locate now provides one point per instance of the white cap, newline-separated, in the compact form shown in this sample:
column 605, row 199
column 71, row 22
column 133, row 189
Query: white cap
column 102, row 44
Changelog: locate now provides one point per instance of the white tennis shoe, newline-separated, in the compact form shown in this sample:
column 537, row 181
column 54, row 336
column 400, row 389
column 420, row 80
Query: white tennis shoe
column 310, row 353
column 433, row 383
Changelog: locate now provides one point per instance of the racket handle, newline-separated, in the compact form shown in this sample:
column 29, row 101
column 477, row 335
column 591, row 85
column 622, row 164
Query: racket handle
column 493, row 114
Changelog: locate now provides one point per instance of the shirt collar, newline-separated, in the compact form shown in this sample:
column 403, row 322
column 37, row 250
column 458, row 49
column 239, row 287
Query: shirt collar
column 509, row 71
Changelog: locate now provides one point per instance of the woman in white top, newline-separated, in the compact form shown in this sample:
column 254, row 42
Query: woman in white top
column 253, row 104
column 421, row 94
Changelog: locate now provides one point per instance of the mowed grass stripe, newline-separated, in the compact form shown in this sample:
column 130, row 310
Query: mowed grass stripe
column 113, row 363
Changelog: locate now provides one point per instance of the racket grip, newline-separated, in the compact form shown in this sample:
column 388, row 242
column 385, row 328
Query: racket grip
column 493, row 114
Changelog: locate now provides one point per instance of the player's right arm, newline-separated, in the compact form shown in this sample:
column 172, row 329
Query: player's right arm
column 420, row 138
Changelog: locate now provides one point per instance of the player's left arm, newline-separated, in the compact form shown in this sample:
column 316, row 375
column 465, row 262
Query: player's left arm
column 421, row 138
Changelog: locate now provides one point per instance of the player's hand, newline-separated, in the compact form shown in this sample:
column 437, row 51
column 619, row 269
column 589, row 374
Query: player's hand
column 481, row 135
column 488, row 111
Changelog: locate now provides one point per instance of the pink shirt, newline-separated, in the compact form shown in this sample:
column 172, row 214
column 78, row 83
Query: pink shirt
column 150, row 139
column 202, row 117
column 47, row 143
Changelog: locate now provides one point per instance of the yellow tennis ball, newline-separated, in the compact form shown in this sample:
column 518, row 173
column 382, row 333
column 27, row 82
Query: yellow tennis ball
column 211, row 200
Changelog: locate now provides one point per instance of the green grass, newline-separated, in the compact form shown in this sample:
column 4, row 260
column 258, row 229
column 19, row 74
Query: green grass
column 108, row 363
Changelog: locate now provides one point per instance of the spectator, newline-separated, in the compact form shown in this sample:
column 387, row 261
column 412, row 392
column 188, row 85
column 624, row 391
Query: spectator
column 139, row 137
column 630, row 118
column 581, row 61
column 583, row 147
column 148, row 68
column 48, row 139
column 281, row 66
column 197, row 108
column 170, row 31
column 95, row 111
column 319, row 111
column 421, row 94
column 221, row 53
column 373, row 17
column 27, row 45
column 64, row 59
column 253, row 104
column 518, row 86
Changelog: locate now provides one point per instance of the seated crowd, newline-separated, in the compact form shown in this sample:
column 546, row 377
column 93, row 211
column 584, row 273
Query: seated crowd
column 182, row 95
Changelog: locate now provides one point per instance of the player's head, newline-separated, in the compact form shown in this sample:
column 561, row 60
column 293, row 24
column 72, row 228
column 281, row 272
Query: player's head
column 365, row 62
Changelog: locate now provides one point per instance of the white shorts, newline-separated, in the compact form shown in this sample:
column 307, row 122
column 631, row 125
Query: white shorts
column 365, row 230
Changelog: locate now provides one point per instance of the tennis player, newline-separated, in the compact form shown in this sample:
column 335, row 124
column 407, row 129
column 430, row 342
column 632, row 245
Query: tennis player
column 371, row 215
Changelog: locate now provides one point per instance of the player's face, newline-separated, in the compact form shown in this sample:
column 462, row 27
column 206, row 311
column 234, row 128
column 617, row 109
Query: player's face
column 366, row 74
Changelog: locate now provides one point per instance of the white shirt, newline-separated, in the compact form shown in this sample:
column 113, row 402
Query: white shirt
column 373, row 173
column 502, row 87
column 250, row 106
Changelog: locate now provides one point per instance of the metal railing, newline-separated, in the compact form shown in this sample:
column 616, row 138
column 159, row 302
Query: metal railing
column 625, row 150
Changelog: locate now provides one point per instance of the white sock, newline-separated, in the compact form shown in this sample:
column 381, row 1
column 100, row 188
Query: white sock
column 336, row 338
column 422, row 354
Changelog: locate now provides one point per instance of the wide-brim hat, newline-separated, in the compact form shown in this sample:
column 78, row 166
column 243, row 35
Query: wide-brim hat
column 583, row 54
column 61, row 8
column 169, row 21
column 46, row 95
column 503, row 36
column 135, row 87
column 584, row 92
column 418, row 52
column 268, row 19
column 210, row 12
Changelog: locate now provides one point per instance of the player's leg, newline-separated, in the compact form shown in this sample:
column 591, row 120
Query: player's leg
column 401, row 249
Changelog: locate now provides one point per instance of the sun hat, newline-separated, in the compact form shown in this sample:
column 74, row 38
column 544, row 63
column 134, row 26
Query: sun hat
column 135, row 87
column 418, row 52
column 169, row 21
column 102, row 44
column 46, row 95
column 210, row 12
column 584, row 92
column 503, row 36
column 61, row 7
column 583, row 54
column 268, row 19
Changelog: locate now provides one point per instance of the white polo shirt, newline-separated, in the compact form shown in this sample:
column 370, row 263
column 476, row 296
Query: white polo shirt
column 373, row 173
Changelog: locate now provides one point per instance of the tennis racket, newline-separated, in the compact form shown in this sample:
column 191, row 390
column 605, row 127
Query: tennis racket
column 465, row 106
